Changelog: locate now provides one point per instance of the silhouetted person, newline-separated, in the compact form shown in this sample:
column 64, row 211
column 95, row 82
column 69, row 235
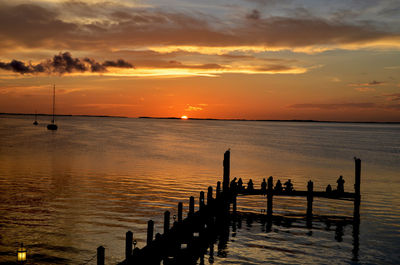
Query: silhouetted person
column 329, row 188
column 250, row 185
column 288, row 186
column 340, row 184
column 278, row 186
column 240, row 184
column 263, row 186
column 233, row 185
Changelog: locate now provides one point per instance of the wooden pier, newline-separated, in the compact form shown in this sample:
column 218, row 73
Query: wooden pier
column 187, row 240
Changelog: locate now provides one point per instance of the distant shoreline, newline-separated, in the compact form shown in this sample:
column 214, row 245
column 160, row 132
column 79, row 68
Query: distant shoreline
column 201, row 119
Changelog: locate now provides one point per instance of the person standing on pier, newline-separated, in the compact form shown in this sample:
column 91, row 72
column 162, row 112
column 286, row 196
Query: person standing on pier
column 263, row 186
column 233, row 185
column 250, row 185
column 288, row 186
column 240, row 184
column 278, row 186
column 340, row 184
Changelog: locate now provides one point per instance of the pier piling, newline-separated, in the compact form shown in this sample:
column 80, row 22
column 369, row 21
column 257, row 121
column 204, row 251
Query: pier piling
column 100, row 255
column 166, row 221
column 310, row 198
column 180, row 209
column 270, row 192
column 128, row 245
column 150, row 231
column 191, row 206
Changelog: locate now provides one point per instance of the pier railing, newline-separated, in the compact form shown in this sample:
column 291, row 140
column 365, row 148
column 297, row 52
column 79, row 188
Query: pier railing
column 188, row 239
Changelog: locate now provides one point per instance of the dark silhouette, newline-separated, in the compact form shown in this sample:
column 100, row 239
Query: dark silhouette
column 35, row 122
column 264, row 186
column 278, row 186
column 233, row 185
column 240, row 184
column 53, row 126
column 288, row 186
column 329, row 188
column 340, row 184
column 250, row 185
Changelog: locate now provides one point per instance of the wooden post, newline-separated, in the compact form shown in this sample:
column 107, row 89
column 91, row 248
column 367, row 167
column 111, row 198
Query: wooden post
column 150, row 231
column 191, row 206
column 128, row 245
column 180, row 209
column 209, row 195
column 270, row 192
column 166, row 221
column 218, row 192
column 234, row 198
column 310, row 198
column 100, row 255
column 357, row 189
column 201, row 200
column 226, row 164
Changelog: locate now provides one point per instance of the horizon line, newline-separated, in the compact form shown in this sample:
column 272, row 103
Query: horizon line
column 211, row 119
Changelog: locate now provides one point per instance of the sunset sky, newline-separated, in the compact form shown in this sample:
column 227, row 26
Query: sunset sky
column 246, row 59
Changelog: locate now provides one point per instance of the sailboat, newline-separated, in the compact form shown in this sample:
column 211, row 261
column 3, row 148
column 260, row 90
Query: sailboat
column 35, row 122
column 52, row 126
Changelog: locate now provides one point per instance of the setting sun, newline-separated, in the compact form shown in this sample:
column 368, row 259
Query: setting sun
column 184, row 117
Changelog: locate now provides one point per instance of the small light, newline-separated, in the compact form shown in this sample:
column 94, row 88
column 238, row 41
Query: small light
column 21, row 253
column 174, row 217
column 196, row 234
column 134, row 243
column 183, row 246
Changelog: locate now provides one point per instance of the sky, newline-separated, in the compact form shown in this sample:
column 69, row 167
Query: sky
column 229, row 59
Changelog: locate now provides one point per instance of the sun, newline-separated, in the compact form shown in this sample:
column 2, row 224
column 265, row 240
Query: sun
column 184, row 117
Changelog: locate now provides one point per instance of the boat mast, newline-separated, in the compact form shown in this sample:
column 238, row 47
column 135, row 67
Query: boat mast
column 54, row 100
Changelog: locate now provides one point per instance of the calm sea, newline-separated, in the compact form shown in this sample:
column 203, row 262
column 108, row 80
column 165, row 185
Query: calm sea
column 65, row 193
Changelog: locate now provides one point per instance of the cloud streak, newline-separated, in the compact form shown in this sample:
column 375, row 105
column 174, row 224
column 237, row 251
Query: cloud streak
column 63, row 63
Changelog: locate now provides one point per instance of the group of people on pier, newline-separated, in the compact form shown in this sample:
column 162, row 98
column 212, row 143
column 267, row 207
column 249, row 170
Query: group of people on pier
column 287, row 186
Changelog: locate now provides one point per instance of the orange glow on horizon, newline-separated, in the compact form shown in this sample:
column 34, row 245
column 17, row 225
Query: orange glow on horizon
column 184, row 117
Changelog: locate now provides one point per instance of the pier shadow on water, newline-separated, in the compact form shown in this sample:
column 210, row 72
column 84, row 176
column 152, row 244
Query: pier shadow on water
column 220, row 248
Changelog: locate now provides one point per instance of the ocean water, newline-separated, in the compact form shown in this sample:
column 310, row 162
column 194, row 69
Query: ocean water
column 65, row 193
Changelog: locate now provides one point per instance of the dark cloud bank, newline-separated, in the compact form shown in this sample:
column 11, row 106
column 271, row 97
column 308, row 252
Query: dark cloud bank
column 63, row 63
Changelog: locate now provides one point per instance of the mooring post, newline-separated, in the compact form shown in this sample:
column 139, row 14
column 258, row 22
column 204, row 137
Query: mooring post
column 209, row 195
column 234, row 201
column 310, row 198
column 128, row 245
column 150, row 231
column 357, row 190
column 201, row 200
column 100, row 255
column 180, row 209
column 166, row 221
column 191, row 206
column 226, row 164
column 218, row 191
column 270, row 192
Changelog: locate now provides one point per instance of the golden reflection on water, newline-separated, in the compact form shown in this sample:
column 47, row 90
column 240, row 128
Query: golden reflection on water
column 63, row 194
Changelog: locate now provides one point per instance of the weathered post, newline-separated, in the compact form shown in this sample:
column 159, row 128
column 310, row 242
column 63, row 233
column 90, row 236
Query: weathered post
column 270, row 192
column 100, row 255
column 310, row 198
column 201, row 200
column 234, row 201
column 218, row 192
column 166, row 221
column 357, row 190
column 357, row 201
column 209, row 195
column 128, row 245
column 226, row 164
column 150, row 231
column 180, row 209
column 191, row 206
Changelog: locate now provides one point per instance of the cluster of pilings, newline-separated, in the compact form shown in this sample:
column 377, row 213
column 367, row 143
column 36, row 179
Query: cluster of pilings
column 187, row 240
